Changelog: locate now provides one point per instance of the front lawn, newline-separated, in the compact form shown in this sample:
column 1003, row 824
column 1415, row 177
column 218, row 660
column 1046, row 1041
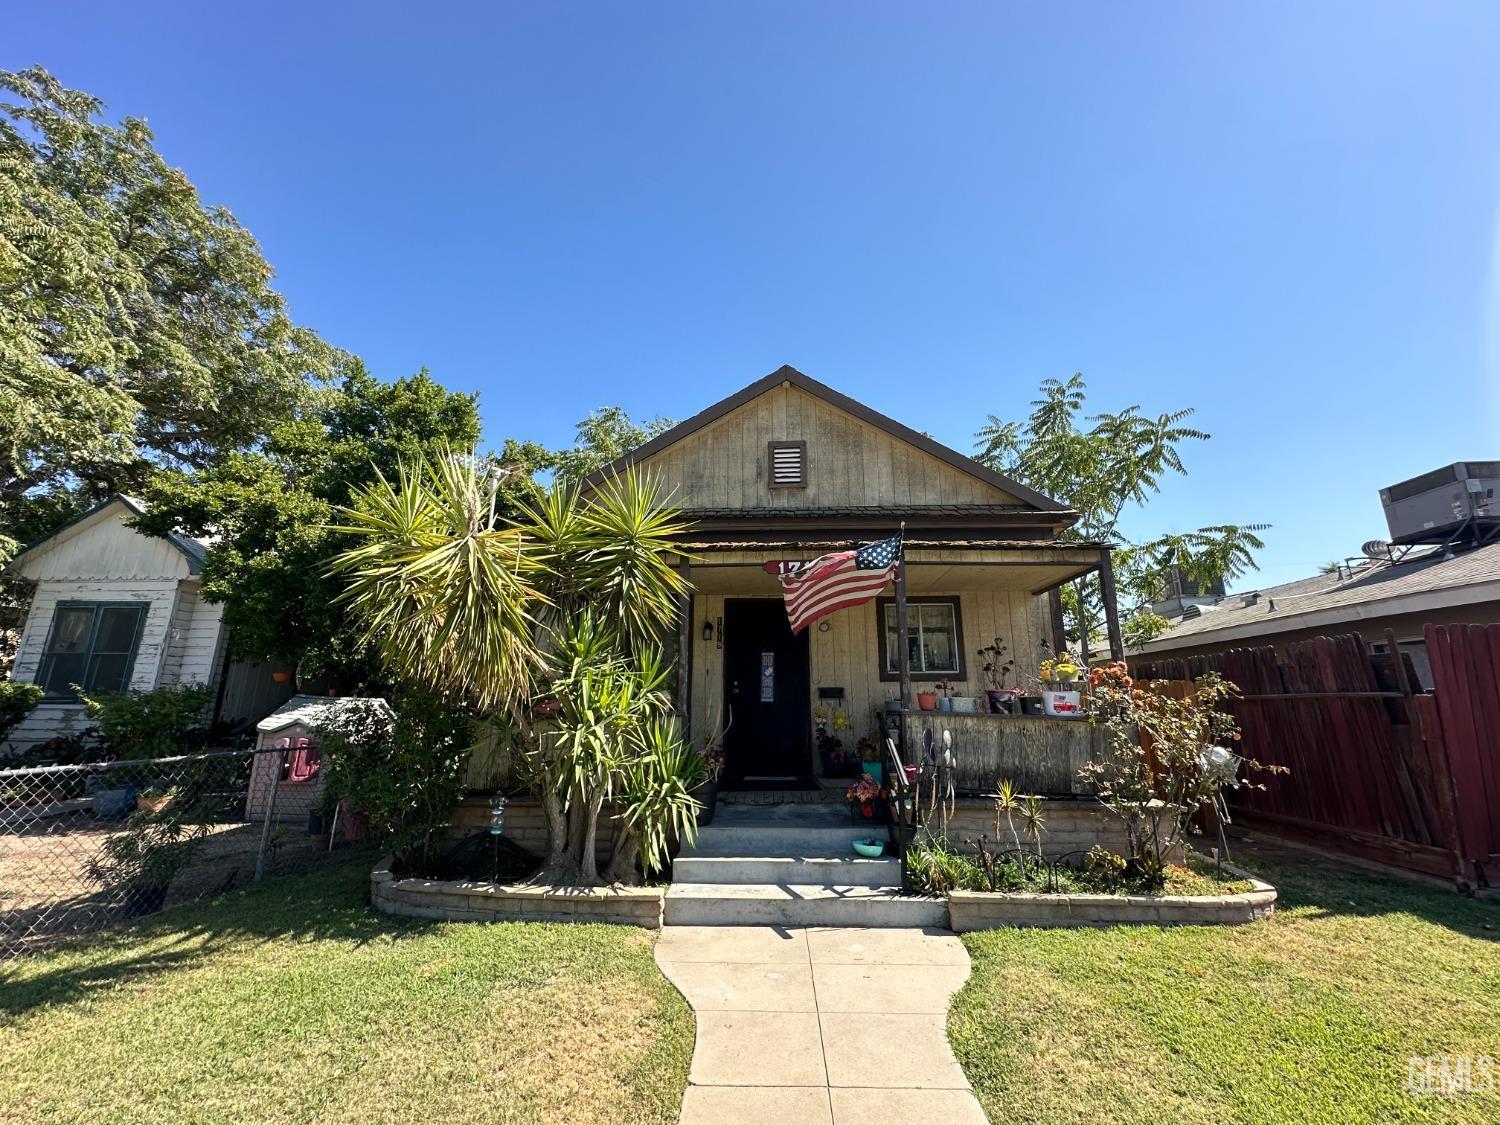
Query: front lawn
column 292, row 1001
column 1310, row 1016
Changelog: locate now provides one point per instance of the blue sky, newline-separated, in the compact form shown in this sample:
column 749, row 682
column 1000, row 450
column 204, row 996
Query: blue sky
column 1284, row 215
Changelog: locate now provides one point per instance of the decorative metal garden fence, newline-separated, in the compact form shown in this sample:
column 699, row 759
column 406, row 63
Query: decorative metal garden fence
column 83, row 847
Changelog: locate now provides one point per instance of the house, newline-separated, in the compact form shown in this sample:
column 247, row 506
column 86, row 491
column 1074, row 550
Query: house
column 788, row 469
column 1398, row 591
column 1440, row 566
column 114, row 610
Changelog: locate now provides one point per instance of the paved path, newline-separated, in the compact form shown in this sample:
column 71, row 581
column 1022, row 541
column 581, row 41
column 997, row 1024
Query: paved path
column 820, row 1026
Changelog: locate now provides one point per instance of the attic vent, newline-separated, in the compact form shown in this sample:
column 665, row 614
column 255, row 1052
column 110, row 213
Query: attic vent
column 788, row 461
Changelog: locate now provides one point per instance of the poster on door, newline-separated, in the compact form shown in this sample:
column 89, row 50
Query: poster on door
column 768, row 677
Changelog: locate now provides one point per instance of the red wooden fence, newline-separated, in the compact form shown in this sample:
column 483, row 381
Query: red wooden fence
column 1377, row 768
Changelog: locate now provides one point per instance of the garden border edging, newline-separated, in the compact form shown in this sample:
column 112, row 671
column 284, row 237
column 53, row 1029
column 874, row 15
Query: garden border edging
column 988, row 910
column 469, row 900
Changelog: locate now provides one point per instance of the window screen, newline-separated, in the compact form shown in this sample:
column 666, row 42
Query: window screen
column 92, row 645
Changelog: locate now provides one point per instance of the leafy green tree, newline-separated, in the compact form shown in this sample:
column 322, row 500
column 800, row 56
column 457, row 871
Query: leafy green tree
column 551, row 626
column 604, row 435
column 1101, row 466
column 138, row 326
column 267, row 511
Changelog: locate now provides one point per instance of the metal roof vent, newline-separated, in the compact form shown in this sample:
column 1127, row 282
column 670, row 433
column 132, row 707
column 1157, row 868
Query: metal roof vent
column 788, row 464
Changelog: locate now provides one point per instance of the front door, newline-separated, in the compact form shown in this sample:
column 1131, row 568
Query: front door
column 766, row 686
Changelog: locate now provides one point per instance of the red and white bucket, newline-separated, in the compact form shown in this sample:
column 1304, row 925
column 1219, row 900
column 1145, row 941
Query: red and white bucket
column 1062, row 704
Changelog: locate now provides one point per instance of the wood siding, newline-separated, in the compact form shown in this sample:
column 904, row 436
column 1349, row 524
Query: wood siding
column 846, row 655
column 181, row 643
column 849, row 462
column 101, row 546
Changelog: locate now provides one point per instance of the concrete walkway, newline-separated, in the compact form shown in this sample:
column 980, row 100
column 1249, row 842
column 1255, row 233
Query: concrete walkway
column 819, row 1025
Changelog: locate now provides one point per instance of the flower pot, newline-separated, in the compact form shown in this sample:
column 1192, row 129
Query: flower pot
column 927, row 700
column 1031, row 705
column 114, row 804
column 281, row 677
column 869, row 812
column 876, row 770
column 1062, row 704
column 153, row 805
column 1000, row 702
column 893, row 706
column 710, row 799
column 870, row 848
column 965, row 704
column 839, row 763
column 945, row 704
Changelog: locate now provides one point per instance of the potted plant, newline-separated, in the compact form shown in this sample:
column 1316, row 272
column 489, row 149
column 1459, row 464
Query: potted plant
column 155, row 798
column 713, row 762
column 867, row 802
column 996, row 669
column 870, row 758
column 943, row 703
column 962, row 701
column 927, row 700
column 1061, row 698
column 141, row 862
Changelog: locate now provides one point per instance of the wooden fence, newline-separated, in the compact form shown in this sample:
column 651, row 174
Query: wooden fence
column 1378, row 768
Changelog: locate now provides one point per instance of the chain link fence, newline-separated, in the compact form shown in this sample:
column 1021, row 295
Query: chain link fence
column 83, row 847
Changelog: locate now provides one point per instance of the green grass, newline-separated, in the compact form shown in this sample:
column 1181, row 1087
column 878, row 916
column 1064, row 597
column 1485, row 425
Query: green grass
column 294, row 1002
column 1310, row 1016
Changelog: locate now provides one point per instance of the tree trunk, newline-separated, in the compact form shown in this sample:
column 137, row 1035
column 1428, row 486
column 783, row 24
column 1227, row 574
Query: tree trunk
column 588, row 863
column 624, row 865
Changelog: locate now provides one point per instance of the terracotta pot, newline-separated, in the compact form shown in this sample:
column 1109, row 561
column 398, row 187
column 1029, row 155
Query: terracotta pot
column 927, row 700
column 153, row 805
column 281, row 677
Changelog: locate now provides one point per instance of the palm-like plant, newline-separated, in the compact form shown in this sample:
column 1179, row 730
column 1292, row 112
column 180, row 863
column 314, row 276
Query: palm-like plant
column 568, row 603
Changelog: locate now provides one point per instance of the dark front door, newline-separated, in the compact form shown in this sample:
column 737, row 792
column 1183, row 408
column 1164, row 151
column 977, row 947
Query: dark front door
column 765, row 695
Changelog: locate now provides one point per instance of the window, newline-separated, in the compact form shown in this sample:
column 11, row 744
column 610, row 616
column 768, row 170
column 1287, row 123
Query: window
column 92, row 645
column 934, row 638
column 788, row 464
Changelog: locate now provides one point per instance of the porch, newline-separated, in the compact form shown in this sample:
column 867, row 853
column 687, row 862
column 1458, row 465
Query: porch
column 743, row 672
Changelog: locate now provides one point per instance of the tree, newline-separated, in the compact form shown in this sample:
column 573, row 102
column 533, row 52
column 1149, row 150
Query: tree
column 552, row 626
column 604, row 435
column 138, row 326
column 1118, row 462
column 267, row 511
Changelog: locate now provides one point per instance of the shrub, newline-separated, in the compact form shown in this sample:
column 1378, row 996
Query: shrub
column 405, row 774
column 152, row 724
column 1168, row 760
column 17, row 700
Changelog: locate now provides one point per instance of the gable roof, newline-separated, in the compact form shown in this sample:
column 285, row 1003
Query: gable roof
column 194, row 550
column 1372, row 592
column 842, row 402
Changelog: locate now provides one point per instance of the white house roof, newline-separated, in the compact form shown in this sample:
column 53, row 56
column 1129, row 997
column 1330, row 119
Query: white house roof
column 1370, row 592
column 310, row 711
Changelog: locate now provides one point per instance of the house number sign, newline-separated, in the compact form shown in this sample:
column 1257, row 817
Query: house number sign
column 768, row 677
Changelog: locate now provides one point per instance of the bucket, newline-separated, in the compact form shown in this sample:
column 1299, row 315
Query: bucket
column 1062, row 704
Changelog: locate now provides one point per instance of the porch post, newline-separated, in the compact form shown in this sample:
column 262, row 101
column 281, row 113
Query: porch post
column 1055, row 610
column 903, row 650
column 1111, row 609
column 1083, row 624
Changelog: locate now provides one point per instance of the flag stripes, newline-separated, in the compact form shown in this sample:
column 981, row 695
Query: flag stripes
column 838, row 581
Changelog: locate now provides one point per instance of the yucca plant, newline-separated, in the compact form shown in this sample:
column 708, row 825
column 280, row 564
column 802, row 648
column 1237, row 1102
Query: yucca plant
column 569, row 604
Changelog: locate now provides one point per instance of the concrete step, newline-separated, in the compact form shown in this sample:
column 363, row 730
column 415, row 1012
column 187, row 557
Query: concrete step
column 820, row 871
column 779, row 839
column 765, row 904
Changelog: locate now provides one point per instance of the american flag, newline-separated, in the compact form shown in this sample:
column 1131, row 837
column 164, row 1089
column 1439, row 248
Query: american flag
column 836, row 581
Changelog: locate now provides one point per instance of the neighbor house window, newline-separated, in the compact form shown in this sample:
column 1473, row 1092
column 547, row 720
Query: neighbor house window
column 788, row 461
column 92, row 644
column 934, row 638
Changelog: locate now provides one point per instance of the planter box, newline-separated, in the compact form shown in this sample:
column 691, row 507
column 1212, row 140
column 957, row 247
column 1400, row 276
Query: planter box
column 981, row 910
column 465, row 900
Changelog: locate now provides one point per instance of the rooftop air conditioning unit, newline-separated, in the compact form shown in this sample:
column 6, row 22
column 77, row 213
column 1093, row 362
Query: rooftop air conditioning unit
column 1435, row 506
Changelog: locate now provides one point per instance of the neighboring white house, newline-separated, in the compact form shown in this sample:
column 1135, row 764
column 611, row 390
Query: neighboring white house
column 117, row 610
